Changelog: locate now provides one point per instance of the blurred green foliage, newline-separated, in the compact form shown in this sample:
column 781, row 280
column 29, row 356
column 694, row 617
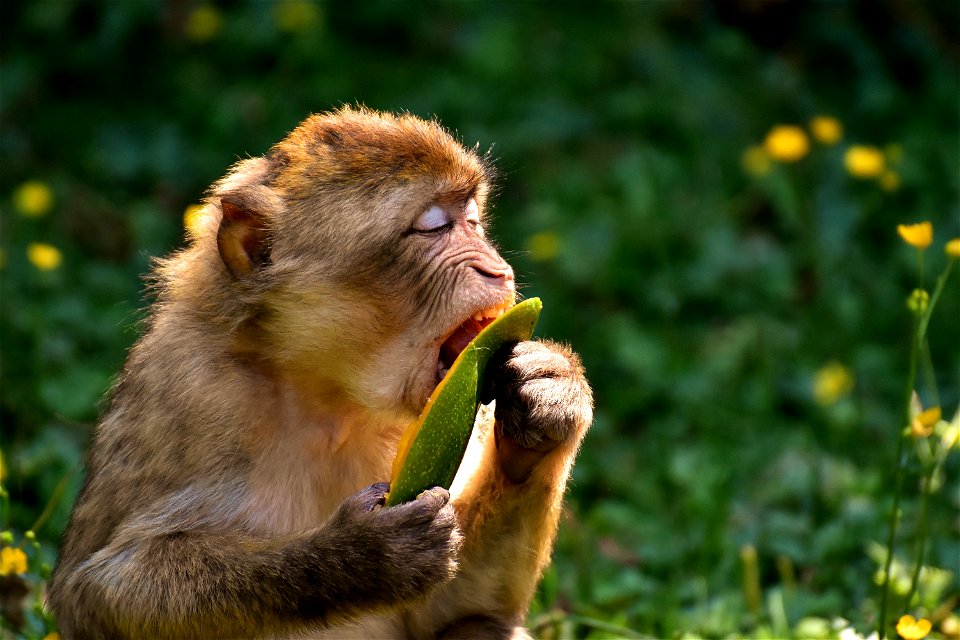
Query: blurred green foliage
column 705, row 294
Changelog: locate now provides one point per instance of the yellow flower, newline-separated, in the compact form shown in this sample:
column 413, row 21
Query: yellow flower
column 922, row 425
column 890, row 180
column 543, row 246
column 192, row 219
column 951, row 434
column 755, row 161
column 296, row 15
column 910, row 628
column 12, row 560
column 953, row 248
column 826, row 129
column 863, row 161
column 53, row 635
column 918, row 235
column 43, row 256
column 203, row 23
column 33, row 198
column 831, row 383
column 786, row 143
column 951, row 626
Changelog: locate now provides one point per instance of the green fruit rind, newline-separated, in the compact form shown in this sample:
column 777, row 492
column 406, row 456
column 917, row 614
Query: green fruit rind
column 442, row 431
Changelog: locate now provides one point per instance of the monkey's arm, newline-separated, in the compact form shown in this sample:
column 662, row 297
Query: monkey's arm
column 509, row 501
column 206, row 584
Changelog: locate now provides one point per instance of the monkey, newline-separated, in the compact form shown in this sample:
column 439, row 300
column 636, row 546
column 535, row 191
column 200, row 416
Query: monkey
column 235, row 481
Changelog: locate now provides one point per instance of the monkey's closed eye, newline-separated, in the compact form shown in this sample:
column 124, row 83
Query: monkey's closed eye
column 433, row 219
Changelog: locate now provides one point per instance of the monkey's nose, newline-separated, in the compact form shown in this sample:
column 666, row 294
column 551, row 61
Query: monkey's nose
column 499, row 272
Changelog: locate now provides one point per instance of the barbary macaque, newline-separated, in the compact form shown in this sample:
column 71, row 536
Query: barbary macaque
column 235, row 484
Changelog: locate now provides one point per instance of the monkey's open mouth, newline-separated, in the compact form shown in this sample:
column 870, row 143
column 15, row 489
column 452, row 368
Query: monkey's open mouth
column 462, row 335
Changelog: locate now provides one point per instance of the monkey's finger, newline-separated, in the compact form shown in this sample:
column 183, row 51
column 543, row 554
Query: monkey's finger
column 542, row 359
column 370, row 497
column 435, row 498
column 420, row 512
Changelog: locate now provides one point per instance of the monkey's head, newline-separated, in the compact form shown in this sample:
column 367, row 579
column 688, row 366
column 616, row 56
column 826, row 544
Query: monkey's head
column 351, row 259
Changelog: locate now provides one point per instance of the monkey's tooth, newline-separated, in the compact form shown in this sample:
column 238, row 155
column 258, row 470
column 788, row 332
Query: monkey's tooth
column 490, row 314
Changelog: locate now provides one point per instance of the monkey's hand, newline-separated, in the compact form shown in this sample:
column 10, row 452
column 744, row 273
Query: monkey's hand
column 397, row 554
column 200, row 584
column 543, row 401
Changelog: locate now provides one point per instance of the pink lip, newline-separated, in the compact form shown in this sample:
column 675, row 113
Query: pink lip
column 458, row 338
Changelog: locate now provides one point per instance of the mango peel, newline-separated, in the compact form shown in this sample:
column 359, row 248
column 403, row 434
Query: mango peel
column 432, row 447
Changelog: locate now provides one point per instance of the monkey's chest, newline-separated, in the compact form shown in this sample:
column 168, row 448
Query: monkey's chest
column 300, row 482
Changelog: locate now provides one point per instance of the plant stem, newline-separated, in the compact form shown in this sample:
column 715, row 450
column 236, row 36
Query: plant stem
column 898, row 480
column 556, row 618
column 922, row 535
column 600, row 625
column 941, row 282
column 4, row 507
column 751, row 578
column 920, row 266
column 54, row 498
column 920, row 325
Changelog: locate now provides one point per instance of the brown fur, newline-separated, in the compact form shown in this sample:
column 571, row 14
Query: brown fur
column 290, row 344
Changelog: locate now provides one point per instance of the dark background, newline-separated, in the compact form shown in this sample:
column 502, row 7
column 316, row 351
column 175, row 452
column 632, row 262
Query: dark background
column 704, row 299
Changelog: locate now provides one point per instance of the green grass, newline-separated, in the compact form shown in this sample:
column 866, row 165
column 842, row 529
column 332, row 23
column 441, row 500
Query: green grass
column 746, row 331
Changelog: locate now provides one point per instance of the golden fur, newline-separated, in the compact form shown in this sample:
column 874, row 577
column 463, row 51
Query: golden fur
column 282, row 360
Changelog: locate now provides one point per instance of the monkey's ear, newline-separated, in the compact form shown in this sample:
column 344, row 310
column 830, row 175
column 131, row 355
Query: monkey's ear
column 241, row 238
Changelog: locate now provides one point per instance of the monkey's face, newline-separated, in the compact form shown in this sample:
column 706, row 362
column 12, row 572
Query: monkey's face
column 381, row 311
column 371, row 260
